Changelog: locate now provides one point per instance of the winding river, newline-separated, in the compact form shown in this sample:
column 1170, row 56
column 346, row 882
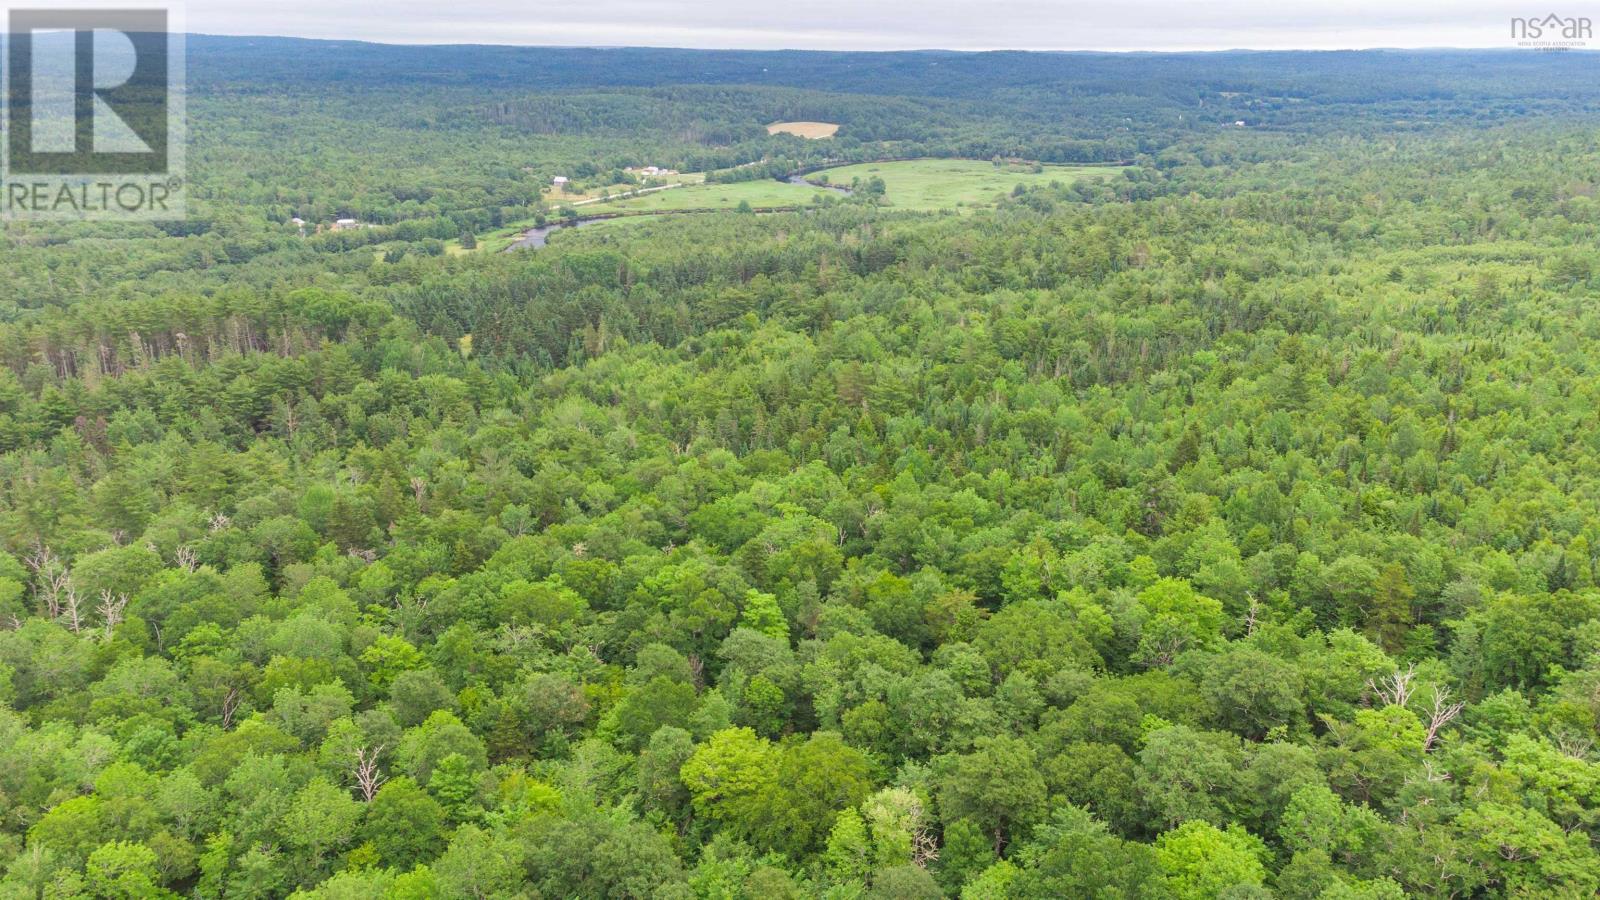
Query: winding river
column 534, row 238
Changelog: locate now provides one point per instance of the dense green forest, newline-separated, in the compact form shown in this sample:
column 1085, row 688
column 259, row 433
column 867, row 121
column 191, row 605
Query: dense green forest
column 1224, row 529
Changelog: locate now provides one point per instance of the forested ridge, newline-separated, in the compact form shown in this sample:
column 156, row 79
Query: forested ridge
column 1222, row 529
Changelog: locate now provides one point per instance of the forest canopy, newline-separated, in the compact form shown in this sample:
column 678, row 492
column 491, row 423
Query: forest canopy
column 1225, row 528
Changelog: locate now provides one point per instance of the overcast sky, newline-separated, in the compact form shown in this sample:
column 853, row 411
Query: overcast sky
column 889, row 24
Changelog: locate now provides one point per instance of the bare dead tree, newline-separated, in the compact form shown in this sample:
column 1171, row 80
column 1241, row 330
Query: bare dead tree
column 71, row 610
column 1428, row 775
column 514, row 636
column 219, row 522
column 230, row 705
column 110, row 609
column 1443, row 712
column 1165, row 649
column 188, row 559
column 419, row 487
column 51, row 577
column 1572, row 745
column 1252, row 615
column 1396, row 689
column 53, row 588
column 924, row 847
column 368, row 778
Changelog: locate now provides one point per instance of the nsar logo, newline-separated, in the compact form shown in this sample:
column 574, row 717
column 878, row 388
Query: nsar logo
column 1552, row 32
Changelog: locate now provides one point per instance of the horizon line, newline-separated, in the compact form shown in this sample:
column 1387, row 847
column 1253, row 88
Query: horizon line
column 1423, row 48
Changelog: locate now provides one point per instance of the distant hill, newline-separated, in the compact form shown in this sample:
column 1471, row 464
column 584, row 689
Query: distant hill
column 1336, row 75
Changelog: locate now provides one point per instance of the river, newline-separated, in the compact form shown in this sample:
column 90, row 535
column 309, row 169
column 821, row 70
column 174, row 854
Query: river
column 801, row 179
column 534, row 238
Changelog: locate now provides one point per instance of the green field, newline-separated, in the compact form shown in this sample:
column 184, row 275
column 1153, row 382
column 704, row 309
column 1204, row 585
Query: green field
column 949, row 183
column 621, row 222
column 764, row 192
column 923, row 184
column 606, row 226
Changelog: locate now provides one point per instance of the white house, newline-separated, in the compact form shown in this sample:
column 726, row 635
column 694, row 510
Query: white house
column 559, row 180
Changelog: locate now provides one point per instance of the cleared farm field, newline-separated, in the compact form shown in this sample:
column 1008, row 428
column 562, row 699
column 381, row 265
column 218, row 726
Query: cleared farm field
column 762, row 193
column 813, row 130
column 951, row 183
column 600, row 226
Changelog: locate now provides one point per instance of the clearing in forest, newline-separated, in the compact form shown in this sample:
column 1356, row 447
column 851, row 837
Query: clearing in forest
column 811, row 130
column 761, row 193
column 951, row 183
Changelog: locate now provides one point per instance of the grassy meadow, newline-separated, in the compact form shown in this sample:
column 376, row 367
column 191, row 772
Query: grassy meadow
column 951, row 183
column 760, row 193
